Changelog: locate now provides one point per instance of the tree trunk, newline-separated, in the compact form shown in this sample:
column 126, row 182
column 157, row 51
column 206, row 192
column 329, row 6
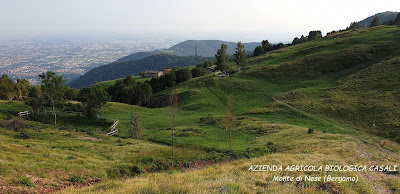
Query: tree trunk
column 54, row 113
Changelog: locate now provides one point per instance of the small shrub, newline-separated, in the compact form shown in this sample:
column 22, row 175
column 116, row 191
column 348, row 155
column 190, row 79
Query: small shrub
column 23, row 135
column 76, row 179
column 13, row 124
column 310, row 130
column 26, row 182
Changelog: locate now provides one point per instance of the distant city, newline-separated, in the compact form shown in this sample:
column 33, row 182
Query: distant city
column 28, row 59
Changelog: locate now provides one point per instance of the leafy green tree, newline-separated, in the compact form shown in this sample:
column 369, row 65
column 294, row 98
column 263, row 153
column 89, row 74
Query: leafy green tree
column 314, row 35
column 259, row 50
column 278, row 46
column 23, row 88
column 35, row 100
column 8, row 88
column 168, row 80
column 390, row 22
column 376, row 22
column 135, row 129
column 240, row 55
column 207, row 63
column 303, row 38
column 53, row 88
column 144, row 94
column 266, row 45
column 71, row 93
column 156, row 84
column 93, row 98
column 397, row 20
column 183, row 75
column 222, row 58
column 198, row 71
column 295, row 41
column 354, row 26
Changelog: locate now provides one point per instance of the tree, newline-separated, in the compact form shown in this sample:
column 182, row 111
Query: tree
column 389, row 23
column 183, row 75
column 230, row 120
column 303, row 38
column 8, row 88
column 354, row 26
column 173, row 108
column 278, row 46
column 397, row 20
column 376, row 22
column 207, row 63
column 93, row 98
column 71, row 93
column 314, row 35
column 53, row 88
column 198, row 71
column 144, row 93
column 35, row 100
column 222, row 58
column 240, row 55
column 23, row 88
column 258, row 51
column 295, row 41
column 135, row 129
column 266, row 45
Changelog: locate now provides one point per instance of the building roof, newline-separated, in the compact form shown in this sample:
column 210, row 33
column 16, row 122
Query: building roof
column 152, row 72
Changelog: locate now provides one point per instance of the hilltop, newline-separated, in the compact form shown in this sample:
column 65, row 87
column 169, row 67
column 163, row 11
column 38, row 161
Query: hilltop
column 385, row 16
column 205, row 48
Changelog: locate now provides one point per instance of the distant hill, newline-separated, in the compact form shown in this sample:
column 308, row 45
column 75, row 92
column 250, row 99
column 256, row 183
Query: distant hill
column 205, row 48
column 385, row 16
column 122, row 69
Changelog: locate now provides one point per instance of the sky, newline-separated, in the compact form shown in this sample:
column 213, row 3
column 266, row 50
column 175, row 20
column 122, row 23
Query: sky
column 233, row 20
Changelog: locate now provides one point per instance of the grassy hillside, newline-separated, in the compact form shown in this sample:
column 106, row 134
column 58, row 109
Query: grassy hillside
column 328, row 86
column 295, row 147
column 359, row 68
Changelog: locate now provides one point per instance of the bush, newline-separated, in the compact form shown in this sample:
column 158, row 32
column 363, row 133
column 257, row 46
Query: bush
column 76, row 179
column 125, row 171
column 26, row 182
column 310, row 130
column 23, row 135
column 13, row 124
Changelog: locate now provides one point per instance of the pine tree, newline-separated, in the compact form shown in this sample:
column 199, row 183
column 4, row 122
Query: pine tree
column 240, row 55
column 222, row 58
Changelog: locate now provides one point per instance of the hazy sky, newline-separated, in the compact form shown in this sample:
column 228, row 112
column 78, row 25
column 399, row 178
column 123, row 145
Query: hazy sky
column 246, row 20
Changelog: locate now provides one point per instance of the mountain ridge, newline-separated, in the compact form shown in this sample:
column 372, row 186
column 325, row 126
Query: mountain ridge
column 205, row 48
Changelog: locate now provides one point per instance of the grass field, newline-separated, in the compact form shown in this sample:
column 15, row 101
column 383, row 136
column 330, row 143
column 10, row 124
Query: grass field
column 328, row 86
